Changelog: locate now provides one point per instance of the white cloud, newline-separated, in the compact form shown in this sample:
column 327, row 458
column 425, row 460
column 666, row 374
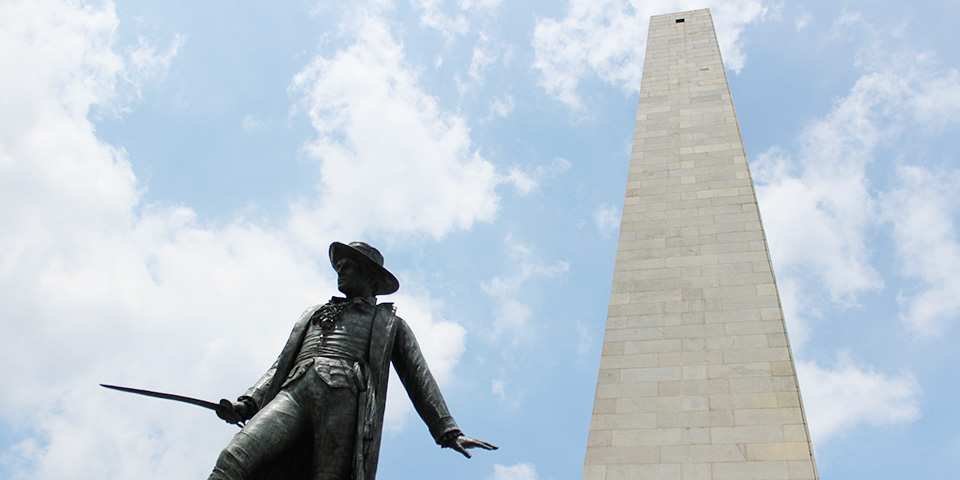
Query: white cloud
column 936, row 102
column 845, row 395
column 433, row 16
column 498, row 388
column 607, row 219
column 607, row 39
column 481, row 59
column 819, row 204
column 484, row 54
column 818, row 207
column 487, row 51
column 527, row 181
column 88, row 282
column 846, row 19
column 824, row 204
column 586, row 342
column 378, row 131
column 144, row 64
column 501, row 107
column 508, row 396
column 523, row 182
column 480, row 4
column 816, row 223
column 520, row 471
column 922, row 212
column 526, row 269
column 512, row 315
column 251, row 123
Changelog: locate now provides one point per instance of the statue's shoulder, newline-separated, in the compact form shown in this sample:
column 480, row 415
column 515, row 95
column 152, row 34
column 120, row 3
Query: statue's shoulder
column 307, row 314
column 311, row 310
column 387, row 314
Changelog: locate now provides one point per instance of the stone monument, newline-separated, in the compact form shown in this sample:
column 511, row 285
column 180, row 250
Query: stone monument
column 697, row 379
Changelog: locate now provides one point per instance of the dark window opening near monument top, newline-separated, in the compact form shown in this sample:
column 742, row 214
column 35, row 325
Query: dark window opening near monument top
column 679, row 20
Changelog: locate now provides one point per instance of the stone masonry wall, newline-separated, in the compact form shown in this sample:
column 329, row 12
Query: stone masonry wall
column 697, row 379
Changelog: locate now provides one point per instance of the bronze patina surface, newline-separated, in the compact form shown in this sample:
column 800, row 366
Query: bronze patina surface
column 317, row 413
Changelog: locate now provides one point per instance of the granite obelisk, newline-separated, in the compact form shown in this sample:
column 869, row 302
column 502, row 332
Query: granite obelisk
column 697, row 379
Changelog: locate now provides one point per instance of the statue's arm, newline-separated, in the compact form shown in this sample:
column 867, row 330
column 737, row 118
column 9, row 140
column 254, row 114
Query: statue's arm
column 253, row 397
column 420, row 385
column 425, row 394
column 248, row 404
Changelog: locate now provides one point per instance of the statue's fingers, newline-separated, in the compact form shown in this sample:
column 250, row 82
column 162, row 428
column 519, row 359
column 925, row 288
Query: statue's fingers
column 474, row 443
column 486, row 446
column 226, row 412
column 460, row 448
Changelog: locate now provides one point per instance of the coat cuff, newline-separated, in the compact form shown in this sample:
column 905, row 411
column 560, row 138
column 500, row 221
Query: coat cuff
column 442, row 427
column 447, row 439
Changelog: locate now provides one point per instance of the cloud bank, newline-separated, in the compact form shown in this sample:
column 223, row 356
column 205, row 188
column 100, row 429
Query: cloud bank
column 824, row 204
column 98, row 286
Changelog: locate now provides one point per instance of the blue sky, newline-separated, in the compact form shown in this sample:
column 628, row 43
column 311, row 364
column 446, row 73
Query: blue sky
column 171, row 174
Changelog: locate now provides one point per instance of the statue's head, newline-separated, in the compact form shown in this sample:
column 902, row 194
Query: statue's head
column 359, row 267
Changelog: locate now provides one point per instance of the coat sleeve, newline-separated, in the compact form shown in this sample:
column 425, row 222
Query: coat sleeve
column 264, row 390
column 254, row 395
column 420, row 385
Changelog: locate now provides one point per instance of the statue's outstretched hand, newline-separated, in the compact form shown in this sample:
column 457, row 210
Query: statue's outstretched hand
column 461, row 443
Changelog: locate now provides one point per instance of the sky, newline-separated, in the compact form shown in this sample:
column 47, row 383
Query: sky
column 172, row 174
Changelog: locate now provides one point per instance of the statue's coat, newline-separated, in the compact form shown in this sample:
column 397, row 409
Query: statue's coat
column 391, row 340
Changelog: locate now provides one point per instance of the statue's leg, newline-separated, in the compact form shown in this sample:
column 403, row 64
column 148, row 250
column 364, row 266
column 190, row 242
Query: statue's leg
column 269, row 432
column 333, row 414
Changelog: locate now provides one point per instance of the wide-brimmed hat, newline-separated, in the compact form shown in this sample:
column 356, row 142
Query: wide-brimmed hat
column 369, row 256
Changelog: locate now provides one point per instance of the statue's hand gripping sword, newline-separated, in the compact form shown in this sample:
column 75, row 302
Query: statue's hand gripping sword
column 224, row 409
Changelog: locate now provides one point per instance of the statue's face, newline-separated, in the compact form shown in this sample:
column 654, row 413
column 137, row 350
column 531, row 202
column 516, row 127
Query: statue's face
column 353, row 279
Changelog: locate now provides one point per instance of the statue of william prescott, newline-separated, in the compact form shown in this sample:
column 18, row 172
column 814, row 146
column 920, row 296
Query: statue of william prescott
column 318, row 411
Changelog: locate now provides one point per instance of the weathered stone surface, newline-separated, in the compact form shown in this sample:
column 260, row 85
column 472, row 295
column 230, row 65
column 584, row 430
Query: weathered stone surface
column 697, row 379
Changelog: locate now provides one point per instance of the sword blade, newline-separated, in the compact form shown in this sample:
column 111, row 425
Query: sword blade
column 165, row 396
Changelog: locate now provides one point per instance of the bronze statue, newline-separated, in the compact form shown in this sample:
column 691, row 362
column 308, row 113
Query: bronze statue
column 318, row 411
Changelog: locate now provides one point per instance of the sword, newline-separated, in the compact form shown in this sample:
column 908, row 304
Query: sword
column 179, row 398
